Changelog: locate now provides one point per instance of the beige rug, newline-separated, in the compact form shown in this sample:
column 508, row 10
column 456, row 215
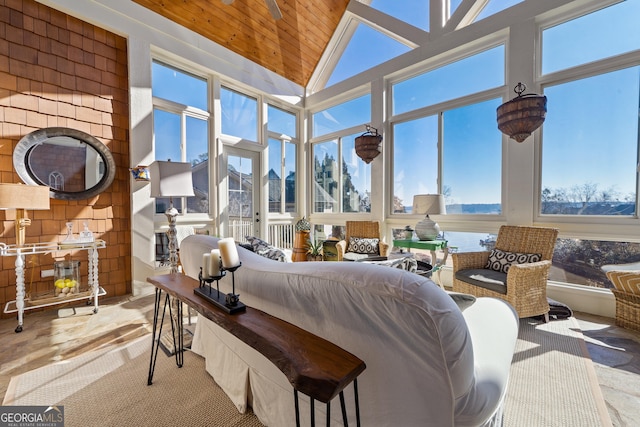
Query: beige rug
column 109, row 388
column 553, row 381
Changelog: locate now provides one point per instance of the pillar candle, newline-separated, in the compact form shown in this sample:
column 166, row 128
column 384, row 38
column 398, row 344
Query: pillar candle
column 214, row 269
column 228, row 253
column 206, row 265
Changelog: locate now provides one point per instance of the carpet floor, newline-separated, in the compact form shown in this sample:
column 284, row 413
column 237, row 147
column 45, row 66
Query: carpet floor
column 553, row 383
column 109, row 388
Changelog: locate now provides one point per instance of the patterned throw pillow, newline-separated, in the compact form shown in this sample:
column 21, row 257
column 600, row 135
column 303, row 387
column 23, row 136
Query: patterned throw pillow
column 363, row 246
column 266, row 250
column 502, row 260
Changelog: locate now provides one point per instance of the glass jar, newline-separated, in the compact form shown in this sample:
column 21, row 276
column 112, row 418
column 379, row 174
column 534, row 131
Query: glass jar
column 66, row 277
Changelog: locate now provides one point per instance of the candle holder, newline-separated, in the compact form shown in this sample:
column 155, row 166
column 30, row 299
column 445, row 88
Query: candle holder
column 230, row 303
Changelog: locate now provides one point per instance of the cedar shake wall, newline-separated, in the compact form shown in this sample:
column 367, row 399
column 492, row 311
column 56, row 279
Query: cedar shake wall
column 56, row 70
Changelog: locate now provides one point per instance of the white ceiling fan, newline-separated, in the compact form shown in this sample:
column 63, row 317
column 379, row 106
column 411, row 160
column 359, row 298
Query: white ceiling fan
column 271, row 4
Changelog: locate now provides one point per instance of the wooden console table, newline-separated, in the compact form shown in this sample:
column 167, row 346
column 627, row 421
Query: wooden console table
column 313, row 365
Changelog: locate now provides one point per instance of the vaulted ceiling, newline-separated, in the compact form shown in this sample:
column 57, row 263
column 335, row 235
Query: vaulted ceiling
column 291, row 46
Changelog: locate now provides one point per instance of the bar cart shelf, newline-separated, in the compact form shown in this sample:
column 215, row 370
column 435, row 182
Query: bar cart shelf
column 23, row 303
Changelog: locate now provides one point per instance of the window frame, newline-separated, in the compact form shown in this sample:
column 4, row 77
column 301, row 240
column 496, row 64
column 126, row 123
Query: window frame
column 579, row 72
column 329, row 217
column 438, row 109
column 184, row 111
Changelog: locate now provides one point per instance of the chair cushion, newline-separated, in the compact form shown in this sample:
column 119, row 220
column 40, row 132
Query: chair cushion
column 485, row 278
column 502, row 260
column 266, row 250
column 362, row 245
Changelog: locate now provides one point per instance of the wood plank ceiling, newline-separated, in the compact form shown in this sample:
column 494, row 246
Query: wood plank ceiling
column 290, row 47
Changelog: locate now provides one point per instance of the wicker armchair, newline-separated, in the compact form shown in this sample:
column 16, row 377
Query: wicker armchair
column 365, row 230
column 627, row 293
column 524, row 286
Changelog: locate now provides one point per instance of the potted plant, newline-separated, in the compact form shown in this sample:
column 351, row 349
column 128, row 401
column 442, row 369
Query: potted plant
column 314, row 251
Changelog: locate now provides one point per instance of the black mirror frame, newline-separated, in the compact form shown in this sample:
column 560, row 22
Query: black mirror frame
column 22, row 150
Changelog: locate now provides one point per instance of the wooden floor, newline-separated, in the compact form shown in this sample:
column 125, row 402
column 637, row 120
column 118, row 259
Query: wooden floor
column 60, row 333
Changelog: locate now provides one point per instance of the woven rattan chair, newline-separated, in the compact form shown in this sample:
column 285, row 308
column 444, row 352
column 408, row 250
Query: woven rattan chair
column 627, row 293
column 524, row 286
column 365, row 230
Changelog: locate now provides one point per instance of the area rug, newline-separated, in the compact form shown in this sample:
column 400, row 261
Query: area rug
column 109, row 388
column 553, row 381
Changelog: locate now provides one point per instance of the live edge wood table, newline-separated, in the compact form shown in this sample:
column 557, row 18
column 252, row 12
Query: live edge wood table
column 313, row 365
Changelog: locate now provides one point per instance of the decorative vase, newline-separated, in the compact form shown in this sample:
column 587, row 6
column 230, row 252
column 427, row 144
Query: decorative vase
column 300, row 246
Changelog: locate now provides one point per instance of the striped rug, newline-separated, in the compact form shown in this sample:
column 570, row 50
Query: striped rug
column 553, row 381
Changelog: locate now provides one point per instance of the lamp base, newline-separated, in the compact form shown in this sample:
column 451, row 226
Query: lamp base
column 427, row 229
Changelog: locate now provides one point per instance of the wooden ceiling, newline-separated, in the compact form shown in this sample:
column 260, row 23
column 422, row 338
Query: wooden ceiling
column 290, row 47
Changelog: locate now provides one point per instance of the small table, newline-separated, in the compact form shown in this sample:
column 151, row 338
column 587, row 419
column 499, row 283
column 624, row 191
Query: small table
column 23, row 303
column 429, row 245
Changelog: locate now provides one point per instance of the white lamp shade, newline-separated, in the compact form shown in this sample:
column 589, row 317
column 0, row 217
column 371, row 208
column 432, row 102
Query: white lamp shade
column 171, row 179
column 21, row 196
column 429, row 204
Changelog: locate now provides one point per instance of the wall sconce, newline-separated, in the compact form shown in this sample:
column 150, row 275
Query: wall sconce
column 367, row 144
column 522, row 115
column 21, row 197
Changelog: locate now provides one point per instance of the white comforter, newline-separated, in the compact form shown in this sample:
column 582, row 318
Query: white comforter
column 425, row 365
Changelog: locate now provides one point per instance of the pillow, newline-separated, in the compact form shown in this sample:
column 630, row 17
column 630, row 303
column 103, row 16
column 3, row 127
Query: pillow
column 266, row 250
column 502, row 260
column 363, row 246
column 247, row 246
column 462, row 300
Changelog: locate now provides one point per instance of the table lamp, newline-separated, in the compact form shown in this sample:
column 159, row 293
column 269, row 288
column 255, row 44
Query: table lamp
column 171, row 179
column 22, row 197
column 428, row 204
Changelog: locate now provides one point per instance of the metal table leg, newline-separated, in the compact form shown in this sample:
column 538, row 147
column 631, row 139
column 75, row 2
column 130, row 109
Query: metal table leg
column 342, row 406
column 178, row 342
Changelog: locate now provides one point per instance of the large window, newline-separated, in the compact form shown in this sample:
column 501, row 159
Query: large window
column 445, row 148
column 342, row 116
column 590, row 148
column 326, row 177
column 472, row 159
column 239, row 114
column 282, row 160
column 415, row 161
column 450, row 81
column 180, row 124
column 591, row 37
column 341, row 179
column 591, row 133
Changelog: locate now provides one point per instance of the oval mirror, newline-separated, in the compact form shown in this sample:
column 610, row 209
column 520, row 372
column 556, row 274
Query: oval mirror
column 73, row 164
